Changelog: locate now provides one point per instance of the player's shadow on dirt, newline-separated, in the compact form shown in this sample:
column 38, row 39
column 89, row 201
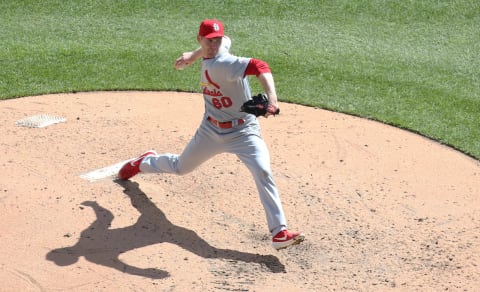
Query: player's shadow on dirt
column 103, row 246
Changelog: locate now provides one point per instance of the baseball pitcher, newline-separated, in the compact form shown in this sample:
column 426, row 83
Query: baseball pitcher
column 229, row 124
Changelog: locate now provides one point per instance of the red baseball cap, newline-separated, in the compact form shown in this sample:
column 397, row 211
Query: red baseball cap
column 211, row 28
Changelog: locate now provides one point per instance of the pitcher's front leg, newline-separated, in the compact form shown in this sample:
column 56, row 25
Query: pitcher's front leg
column 256, row 157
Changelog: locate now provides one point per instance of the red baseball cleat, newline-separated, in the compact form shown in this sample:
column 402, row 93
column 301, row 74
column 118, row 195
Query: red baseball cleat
column 132, row 167
column 285, row 238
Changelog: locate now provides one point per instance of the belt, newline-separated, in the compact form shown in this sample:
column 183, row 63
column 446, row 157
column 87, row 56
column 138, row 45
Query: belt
column 226, row 125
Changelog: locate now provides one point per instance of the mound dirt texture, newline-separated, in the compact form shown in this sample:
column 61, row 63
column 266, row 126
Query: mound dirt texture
column 381, row 208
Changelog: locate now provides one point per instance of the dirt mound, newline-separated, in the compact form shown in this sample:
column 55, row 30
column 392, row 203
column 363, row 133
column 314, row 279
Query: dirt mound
column 381, row 207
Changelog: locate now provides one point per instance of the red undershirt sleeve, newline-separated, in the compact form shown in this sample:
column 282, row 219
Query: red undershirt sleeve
column 257, row 67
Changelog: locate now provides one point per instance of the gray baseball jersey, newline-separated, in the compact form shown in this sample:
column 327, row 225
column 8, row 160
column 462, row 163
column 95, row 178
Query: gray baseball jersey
column 223, row 86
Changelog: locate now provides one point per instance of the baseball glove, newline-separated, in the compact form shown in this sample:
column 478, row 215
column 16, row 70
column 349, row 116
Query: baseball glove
column 259, row 105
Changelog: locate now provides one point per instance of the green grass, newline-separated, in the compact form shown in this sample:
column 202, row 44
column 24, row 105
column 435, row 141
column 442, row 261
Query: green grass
column 412, row 64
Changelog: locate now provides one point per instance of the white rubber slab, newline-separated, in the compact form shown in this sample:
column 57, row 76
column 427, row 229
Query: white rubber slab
column 110, row 171
column 40, row 121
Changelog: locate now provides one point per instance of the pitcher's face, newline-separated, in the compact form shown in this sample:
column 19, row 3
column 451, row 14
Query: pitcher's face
column 210, row 47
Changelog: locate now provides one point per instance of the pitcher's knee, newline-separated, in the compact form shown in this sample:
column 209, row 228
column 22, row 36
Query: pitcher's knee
column 262, row 173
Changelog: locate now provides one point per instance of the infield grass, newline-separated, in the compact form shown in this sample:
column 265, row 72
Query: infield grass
column 412, row 64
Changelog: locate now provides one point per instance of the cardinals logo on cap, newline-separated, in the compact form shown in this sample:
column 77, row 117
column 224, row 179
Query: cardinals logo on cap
column 211, row 28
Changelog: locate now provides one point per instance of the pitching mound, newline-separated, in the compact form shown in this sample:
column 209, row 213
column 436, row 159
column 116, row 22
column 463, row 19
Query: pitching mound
column 381, row 207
